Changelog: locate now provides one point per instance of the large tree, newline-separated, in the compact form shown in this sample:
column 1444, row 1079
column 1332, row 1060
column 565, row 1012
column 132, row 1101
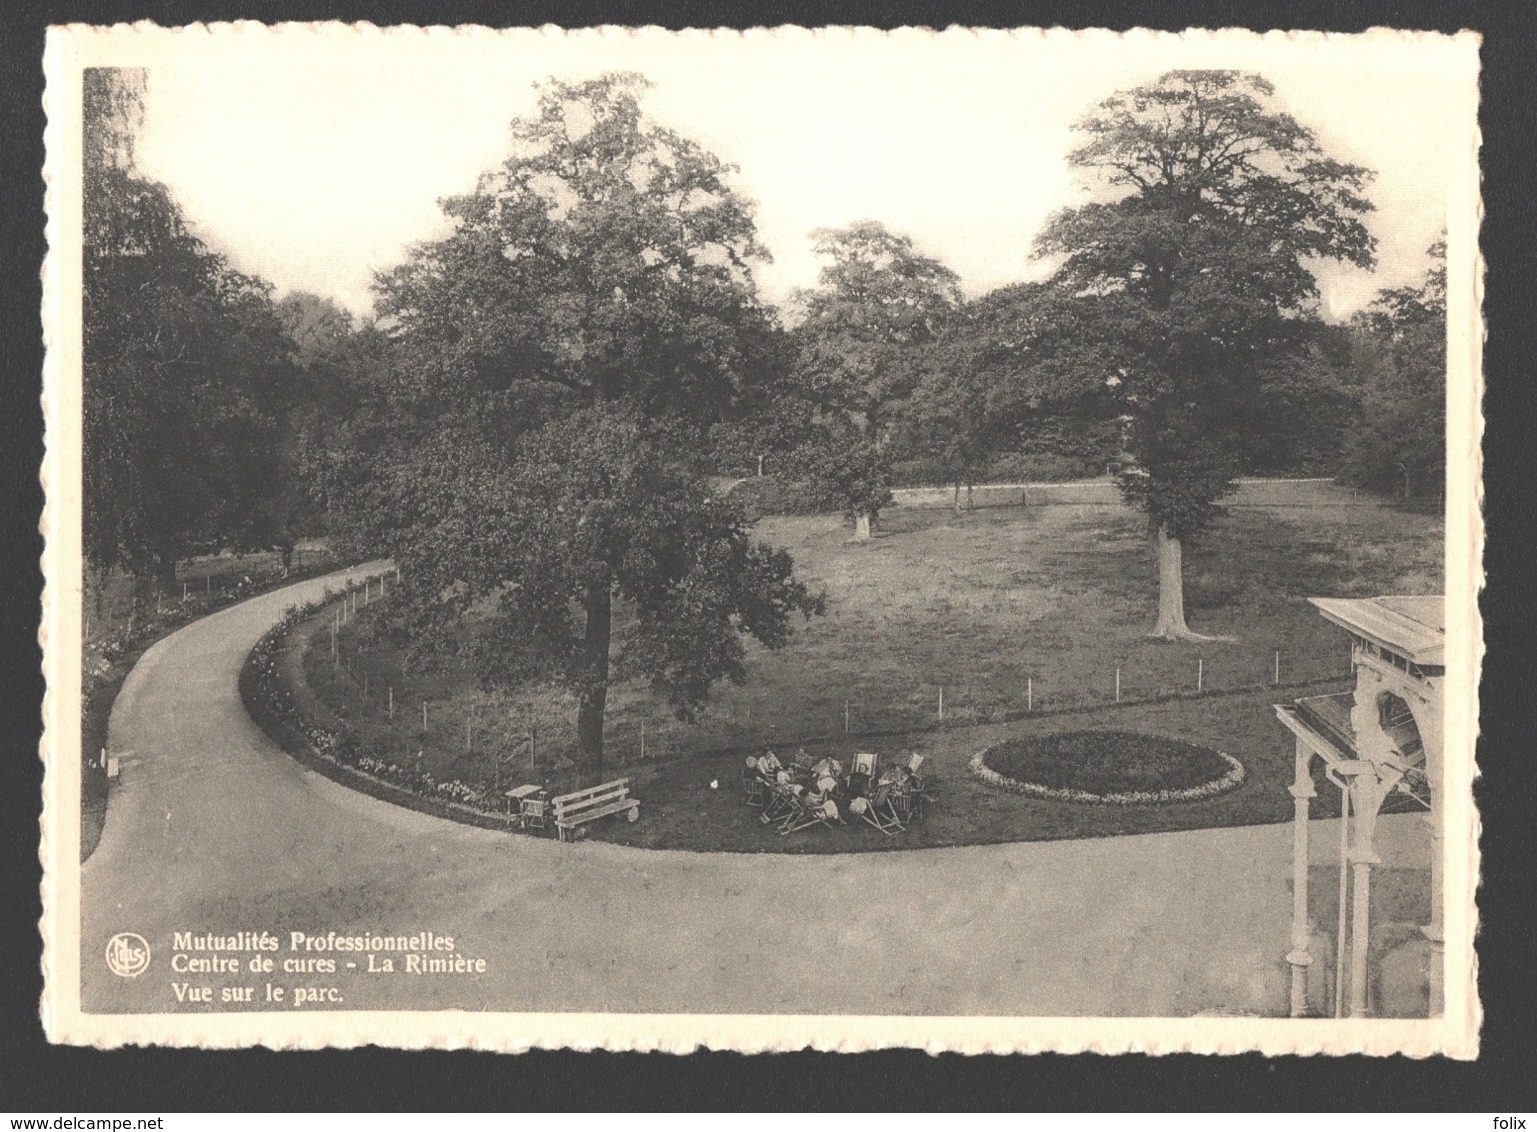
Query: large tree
column 559, row 358
column 1195, row 268
column 186, row 368
column 878, row 302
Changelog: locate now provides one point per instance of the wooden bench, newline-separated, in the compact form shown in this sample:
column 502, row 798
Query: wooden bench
column 573, row 810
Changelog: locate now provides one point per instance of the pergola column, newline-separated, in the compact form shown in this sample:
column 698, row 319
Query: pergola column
column 1360, row 929
column 1300, row 959
column 1430, row 736
column 1367, row 792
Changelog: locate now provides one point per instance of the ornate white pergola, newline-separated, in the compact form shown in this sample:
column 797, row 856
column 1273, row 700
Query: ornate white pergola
column 1380, row 742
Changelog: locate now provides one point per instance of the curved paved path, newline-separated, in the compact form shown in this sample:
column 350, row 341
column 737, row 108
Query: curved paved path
column 215, row 829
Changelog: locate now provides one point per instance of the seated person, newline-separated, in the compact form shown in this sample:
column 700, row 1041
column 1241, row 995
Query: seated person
column 858, row 785
column 828, row 768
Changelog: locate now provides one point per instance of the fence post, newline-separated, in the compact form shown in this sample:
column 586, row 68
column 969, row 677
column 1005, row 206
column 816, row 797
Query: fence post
column 845, row 717
column 392, row 702
column 941, row 703
column 1029, row 693
column 184, row 591
column 643, row 740
column 333, row 635
column 424, row 716
column 1200, row 674
column 1278, row 666
column 1117, row 683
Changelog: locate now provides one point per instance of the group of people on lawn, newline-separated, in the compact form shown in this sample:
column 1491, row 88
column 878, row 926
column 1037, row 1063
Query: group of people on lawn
column 807, row 792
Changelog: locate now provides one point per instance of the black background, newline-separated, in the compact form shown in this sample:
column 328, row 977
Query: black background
column 34, row 1075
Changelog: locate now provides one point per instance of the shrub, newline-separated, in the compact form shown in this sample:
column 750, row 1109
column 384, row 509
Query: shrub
column 774, row 495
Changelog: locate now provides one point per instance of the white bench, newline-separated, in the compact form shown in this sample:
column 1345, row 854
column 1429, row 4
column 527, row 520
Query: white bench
column 575, row 809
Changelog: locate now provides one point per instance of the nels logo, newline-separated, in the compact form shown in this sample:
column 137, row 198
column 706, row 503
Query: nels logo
column 127, row 954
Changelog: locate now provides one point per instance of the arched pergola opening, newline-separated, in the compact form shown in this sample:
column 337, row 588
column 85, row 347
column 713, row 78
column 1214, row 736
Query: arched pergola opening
column 1412, row 792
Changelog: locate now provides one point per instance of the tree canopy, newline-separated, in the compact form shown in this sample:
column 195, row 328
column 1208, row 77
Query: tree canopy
column 877, row 301
column 1194, row 270
column 877, row 305
column 607, row 260
column 558, row 358
column 186, row 368
column 1397, row 441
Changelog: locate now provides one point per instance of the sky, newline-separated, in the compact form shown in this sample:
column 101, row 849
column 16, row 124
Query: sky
column 315, row 159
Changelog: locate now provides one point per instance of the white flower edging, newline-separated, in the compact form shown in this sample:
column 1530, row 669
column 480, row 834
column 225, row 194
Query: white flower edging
column 1229, row 781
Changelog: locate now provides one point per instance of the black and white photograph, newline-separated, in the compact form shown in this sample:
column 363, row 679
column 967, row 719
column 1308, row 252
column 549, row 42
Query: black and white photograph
column 633, row 539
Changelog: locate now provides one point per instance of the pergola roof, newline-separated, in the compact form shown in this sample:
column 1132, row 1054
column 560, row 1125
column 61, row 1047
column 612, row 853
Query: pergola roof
column 1413, row 627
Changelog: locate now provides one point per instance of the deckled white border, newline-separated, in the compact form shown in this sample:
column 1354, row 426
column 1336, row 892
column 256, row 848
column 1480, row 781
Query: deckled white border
column 71, row 48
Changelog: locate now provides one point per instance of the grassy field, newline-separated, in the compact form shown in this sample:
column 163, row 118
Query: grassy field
column 1004, row 608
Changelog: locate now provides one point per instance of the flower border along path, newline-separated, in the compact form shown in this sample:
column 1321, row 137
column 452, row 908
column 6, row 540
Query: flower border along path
column 338, row 752
column 1231, row 780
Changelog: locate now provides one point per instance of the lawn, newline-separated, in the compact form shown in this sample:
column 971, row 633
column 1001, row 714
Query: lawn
column 1005, row 609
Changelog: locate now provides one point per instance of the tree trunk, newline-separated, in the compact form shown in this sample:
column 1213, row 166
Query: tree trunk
column 957, row 503
column 969, row 505
column 594, row 697
column 1171, row 588
column 165, row 573
column 862, row 527
column 288, row 558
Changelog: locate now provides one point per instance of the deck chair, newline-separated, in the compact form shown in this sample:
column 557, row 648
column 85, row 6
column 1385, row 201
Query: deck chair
column 907, row 789
column 794, row 796
column 754, row 787
column 923, row 788
column 781, row 799
column 861, row 777
column 812, row 807
column 877, row 809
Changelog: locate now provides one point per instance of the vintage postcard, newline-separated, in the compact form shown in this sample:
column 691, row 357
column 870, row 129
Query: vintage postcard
column 760, row 540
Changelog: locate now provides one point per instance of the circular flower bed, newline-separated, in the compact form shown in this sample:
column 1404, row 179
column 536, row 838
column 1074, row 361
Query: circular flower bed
column 1116, row 767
